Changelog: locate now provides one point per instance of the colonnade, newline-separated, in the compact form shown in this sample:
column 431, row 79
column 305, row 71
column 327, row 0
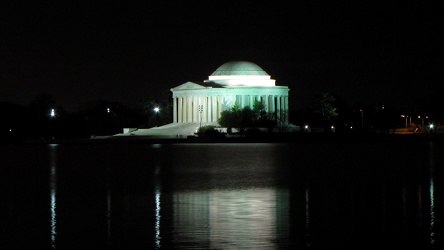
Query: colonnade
column 189, row 109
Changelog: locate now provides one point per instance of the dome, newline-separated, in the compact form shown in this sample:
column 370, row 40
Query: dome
column 241, row 73
column 239, row 68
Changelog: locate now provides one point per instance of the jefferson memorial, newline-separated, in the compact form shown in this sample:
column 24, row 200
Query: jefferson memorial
column 233, row 82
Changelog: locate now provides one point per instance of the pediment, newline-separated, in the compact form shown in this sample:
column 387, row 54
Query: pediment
column 187, row 86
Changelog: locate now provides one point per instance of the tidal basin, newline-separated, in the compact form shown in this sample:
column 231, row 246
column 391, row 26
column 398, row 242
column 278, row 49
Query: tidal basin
column 320, row 195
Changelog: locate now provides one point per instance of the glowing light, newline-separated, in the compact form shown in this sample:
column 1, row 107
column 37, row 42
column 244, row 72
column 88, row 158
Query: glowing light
column 306, row 127
column 243, row 80
column 431, row 126
column 156, row 109
column 52, row 113
column 107, row 110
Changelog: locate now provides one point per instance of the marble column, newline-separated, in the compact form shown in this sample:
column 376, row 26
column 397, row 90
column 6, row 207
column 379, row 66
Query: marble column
column 272, row 106
column 180, row 107
column 266, row 103
column 175, row 110
column 219, row 107
column 213, row 108
column 189, row 112
column 286, row 108
column 195, row 108
column 207, row 109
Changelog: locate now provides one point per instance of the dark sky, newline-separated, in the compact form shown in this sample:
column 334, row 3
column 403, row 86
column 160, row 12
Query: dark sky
column 81, row 51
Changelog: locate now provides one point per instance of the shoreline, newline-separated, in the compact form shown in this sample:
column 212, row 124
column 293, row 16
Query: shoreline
column 265, row 138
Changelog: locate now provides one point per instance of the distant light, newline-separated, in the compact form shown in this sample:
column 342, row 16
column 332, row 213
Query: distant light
column 52, row 113
column 419, row 116
column 107, row 110
column 332, row 127
column 351, row 127
column 306, row 126
column 402, row 116
column 382, row 106
column 156, row 109
column 431, row 126
column 10, row 130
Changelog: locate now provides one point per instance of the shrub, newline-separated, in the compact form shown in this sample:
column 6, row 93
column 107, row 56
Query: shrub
column 209, row 131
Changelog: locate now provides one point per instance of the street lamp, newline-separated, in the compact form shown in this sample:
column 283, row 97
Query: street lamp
column 406, row 116
column 157, row 110
column 52, row 115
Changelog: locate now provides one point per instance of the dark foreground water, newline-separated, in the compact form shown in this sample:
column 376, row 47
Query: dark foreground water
column 222, row 196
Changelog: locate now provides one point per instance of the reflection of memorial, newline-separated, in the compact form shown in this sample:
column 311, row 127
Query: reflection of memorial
column 211, row 204
column 241, row 218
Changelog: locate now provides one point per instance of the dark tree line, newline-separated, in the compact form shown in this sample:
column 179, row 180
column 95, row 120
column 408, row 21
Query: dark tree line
column 108, row 117
column 101, row 117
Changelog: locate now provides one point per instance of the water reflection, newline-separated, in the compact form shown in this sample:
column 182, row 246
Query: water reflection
column 108, row 210
column 53, row 192
column 157, row 196
column 432, row 196
column 307, row 216
column 247, row 218
column 188, row 196
column 157, row 210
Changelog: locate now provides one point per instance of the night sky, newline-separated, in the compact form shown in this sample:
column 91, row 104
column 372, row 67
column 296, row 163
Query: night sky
column 80, row 51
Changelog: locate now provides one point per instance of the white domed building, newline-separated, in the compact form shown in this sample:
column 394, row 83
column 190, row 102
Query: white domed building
column 196, row 104
column 235, row 81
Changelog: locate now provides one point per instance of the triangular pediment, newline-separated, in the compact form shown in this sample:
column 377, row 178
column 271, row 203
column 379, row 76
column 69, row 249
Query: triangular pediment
column 188, row 85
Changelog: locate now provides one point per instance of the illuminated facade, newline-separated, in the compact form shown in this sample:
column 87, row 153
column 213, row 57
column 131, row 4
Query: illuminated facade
column 236, row 81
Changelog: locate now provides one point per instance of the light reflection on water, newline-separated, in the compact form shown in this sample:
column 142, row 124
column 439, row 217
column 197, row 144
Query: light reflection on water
column 248, row 196
column 432, row 196
column 307, row 216
column 248, row 218
column 53, row 192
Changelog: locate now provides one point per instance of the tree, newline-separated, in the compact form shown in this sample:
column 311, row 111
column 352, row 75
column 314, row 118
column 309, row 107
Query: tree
column 261, row 118
column 237, row 118
column 323, row 105
column 282, row 123
column 323, row 108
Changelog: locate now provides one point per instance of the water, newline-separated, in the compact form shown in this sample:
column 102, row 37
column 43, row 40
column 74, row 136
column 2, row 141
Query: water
column 222, row 196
